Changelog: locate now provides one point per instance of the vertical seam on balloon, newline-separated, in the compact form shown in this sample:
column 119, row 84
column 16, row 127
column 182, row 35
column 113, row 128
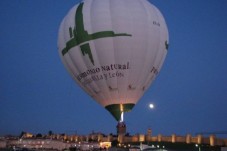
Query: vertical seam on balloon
column 113, row 42
column 118, row 81
column 66, row 64
column 103, row 97
column 73, row 62
column 153, row 76
column 159, row 46
column 69, row 67
column 128, row 71
column 126, row 96
column 147, row 50
column 130, row 58
column 94, row 51
column 74, row 76
column 90, row 86
column 164, row 51
column 139, row 94
column 130, row 78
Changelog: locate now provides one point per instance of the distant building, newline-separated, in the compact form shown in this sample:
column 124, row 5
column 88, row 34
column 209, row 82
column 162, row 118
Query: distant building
column 27, row 135
column 97, row 140
column 121, row 128
column 2, row 144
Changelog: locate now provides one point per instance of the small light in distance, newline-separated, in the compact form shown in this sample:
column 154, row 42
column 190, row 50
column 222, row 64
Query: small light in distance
column 151, row 106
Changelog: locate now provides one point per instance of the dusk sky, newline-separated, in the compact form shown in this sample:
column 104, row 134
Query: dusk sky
column 37, row 94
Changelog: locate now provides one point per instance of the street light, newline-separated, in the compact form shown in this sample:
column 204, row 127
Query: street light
column 198, row 147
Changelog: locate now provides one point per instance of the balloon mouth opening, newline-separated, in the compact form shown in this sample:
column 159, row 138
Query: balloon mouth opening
column 117, row 110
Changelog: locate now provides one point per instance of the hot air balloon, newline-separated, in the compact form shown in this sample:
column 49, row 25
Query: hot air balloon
column 113, row 49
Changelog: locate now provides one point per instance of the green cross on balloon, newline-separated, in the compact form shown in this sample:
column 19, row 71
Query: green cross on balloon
column 80, row 35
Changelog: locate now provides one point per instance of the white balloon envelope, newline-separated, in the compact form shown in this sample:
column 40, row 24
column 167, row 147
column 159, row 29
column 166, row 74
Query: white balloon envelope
column 113, row 49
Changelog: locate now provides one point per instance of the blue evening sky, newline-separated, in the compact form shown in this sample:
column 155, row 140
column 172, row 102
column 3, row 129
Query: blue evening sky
column 37, row 94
